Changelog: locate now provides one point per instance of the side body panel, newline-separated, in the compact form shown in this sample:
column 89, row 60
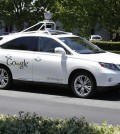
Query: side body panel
column 19, row 62
column 49, row 67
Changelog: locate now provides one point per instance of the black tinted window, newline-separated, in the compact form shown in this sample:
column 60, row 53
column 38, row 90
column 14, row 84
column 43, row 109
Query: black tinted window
column 22, row 43
column 1, row 38
column 49, row 45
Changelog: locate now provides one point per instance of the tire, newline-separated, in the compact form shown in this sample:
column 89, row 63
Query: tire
column 83, row 85
column 5, row 78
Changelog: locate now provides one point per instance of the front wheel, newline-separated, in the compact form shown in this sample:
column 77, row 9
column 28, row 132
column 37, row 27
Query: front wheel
column 5, row 78
column 83, row 85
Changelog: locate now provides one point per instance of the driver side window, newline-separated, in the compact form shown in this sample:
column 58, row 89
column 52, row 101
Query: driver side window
column 48, row 45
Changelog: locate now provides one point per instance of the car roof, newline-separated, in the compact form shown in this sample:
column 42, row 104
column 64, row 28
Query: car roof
column 9, row 37
column 95, row 36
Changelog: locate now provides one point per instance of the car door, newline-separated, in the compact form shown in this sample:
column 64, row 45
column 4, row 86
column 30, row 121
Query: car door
column 18, row 56
column 47, row 65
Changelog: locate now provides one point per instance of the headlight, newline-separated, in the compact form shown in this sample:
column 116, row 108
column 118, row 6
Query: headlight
column 110, row 66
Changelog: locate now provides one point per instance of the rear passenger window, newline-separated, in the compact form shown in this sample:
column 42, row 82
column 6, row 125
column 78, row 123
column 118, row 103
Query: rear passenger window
column 22, row 43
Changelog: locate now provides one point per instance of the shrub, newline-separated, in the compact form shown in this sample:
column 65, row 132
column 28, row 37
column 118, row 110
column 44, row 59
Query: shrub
column 27, row 123
column 108, row 45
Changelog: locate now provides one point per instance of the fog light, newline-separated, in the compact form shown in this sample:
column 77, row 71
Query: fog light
column 110, row 79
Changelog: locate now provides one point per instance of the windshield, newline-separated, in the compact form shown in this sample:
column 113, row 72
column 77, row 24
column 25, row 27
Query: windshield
column 81, row 45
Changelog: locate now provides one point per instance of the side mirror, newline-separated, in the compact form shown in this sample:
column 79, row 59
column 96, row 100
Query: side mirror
column 60, row 50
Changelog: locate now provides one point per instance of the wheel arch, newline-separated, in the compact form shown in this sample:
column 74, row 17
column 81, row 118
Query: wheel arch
column 77, row 71
column 2, row 65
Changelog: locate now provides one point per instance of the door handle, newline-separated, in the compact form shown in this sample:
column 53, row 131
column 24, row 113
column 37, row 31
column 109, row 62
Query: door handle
column 38, row 59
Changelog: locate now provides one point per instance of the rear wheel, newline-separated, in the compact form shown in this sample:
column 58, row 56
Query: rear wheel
column 83, row 85
column 5, row 78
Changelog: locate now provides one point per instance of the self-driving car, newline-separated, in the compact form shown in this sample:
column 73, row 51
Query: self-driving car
column 57, row 57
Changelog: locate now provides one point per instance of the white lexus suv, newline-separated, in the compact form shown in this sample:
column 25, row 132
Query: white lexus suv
column 57, row 57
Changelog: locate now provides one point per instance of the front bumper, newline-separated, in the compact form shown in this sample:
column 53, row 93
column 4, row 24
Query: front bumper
column 108, row 78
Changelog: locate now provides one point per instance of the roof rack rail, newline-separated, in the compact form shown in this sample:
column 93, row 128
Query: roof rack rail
column 50, row 32
column 42, row 25
column 45, row 27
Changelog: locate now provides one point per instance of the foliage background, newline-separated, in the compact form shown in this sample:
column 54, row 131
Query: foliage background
column 27, row 123
column 77, row 14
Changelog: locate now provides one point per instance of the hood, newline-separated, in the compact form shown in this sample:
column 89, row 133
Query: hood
column 106, row 57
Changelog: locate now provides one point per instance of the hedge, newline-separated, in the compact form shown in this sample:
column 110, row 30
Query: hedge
column 114, row 46
column 27, row 123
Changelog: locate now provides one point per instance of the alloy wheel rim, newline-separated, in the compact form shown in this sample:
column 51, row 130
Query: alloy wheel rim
column 3, row 78
column 82, row 85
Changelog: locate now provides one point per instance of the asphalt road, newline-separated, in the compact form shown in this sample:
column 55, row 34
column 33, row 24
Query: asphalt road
column 58, row 102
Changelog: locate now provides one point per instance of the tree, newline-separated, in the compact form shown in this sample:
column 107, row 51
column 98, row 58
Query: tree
column 39, row 8
column 77, row 14
column 110, row 16
column 14, row 12
column 84, row 14
column 21, row 12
